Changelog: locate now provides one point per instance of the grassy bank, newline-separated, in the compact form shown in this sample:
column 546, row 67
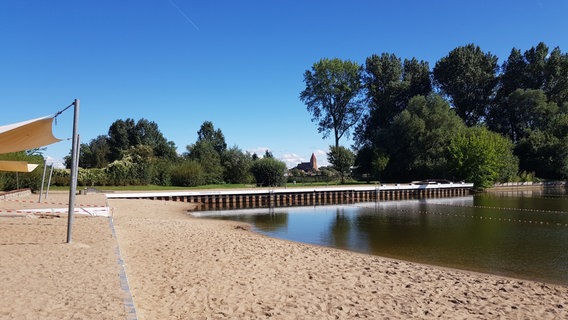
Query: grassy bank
column 204, row 187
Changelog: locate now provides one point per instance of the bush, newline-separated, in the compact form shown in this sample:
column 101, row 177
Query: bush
column 13, row 180
column 188, row 174
column 324, row 174
column 527, row 177
column 91, row 177
column 269, row 172
column 483, row 157
column 121, row 172
column 60, row 177
column 162, row 173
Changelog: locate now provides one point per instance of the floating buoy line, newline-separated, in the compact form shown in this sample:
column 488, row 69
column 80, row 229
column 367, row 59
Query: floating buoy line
column 485, row 218
column 544, row 196
column 502, row 208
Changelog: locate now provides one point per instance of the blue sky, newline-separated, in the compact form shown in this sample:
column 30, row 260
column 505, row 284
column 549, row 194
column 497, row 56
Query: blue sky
column 238, row 64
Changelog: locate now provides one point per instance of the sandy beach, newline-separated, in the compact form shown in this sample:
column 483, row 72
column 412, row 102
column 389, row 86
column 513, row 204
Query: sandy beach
column 179, row 267
column 43, row 277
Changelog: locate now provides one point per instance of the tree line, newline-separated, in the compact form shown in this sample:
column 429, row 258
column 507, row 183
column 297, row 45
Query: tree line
column 137, row 153
column 468, row 118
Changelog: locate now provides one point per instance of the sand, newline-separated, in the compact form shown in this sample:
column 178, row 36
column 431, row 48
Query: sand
column 43, row 277
column 180, row 267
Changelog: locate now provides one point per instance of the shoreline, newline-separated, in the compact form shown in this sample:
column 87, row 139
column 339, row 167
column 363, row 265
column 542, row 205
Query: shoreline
column 554, row 276
column 250, row 228
column 194, row 268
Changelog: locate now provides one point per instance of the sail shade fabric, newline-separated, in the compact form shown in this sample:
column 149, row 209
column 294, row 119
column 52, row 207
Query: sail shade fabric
column 17, row 166
column 27, row 135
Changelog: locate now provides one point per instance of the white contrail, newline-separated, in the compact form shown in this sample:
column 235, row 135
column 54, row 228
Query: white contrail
column 184, row 15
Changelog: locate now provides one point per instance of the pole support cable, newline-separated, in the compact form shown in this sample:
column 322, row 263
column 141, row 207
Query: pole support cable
column 63, row 110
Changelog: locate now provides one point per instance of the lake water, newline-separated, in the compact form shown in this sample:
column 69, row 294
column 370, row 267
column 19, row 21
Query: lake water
column 517, row 234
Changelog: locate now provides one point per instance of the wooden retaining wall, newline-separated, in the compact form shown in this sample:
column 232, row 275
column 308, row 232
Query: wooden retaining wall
column 238, row 199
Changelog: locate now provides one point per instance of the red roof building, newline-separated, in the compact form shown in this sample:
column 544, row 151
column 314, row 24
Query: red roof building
column 311, row 166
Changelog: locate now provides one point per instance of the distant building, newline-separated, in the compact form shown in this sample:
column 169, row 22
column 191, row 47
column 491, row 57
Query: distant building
column 311, row 166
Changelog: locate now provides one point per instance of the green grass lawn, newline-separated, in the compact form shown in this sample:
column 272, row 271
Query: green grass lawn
column 152, row 187
column 205, row 187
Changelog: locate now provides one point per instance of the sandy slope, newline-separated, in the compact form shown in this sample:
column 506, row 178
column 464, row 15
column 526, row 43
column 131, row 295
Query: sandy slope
column 185, row 268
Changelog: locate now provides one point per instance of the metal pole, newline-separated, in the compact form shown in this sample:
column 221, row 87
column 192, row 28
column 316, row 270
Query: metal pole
column 73, row 179
column 78, row 150
column 49, row 181
column 42, row 179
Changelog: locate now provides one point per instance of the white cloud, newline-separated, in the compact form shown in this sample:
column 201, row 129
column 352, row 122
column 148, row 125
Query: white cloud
column 291, row 159
column 321, row 156
column 260, row 151
column 321, row 153
column 57, row 163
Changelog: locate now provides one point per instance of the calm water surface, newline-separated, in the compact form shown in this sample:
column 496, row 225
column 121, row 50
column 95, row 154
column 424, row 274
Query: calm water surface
column 518, row 234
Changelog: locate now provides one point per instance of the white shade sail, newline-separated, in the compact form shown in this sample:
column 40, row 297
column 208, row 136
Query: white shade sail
column 17, row 166
column 27, row 135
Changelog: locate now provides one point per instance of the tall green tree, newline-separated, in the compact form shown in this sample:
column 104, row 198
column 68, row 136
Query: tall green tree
column 124, row 134
column 333, row 96
column 390, row 84
column 204, row 153
column 544, row 151
column 268, row 154
column 513, row 75
column 417, row 141
column 207, row 133
column 521, row 112
column 208, row 152
column 94, row 154
column 147, row 133
column 544, row 154
column 533, row 90
column 468, row 76
column 371, row 162
column 537, row 69
column 119, row 137
column 382, row 79
column 342, row 160
column 556, row 71
column 535, row 73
